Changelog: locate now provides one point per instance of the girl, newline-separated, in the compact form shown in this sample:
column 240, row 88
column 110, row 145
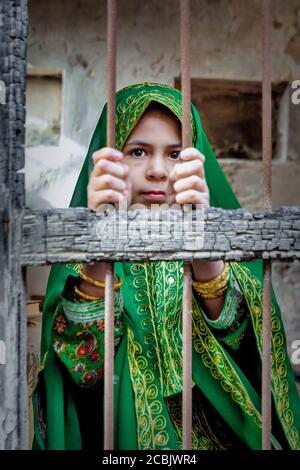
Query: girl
column 148, row 166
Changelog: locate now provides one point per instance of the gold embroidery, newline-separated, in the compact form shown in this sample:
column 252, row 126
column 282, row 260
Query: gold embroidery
column 159, row 305
column 253, row 292
column 214, row 358
column 130, row 111
column 162, row 364
column 159, row 369
column 151, row 424
column 75, row 267
column 204, row 437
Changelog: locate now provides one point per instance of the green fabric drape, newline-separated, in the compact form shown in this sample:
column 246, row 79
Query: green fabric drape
column 148, row 361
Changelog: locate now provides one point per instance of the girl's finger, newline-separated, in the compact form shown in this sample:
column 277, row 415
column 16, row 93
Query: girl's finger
column 107, row 181
column 115, row 168
column 107, row 153
column 192, row 197
column 96, row 198
column 188, row 168
column 191, row 182
column 191, row 153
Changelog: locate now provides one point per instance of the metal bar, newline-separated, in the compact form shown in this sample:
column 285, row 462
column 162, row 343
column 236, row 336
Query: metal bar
column 185, row 27
column 267, row 186
column 187, row 396
column 187, row 285
column 267, row 107
column 109, row 278
column 111, row 71
column 109, row 359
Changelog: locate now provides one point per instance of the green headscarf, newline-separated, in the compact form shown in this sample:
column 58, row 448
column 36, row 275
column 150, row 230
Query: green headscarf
column 148, row 365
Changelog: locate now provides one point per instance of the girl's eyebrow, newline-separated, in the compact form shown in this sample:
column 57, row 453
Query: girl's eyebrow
column 147, row 144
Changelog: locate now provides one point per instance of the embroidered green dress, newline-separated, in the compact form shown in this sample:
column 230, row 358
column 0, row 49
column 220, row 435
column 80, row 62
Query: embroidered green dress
column 68, row 400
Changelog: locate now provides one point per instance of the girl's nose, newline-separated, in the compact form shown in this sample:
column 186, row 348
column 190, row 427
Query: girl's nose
column 157, row 168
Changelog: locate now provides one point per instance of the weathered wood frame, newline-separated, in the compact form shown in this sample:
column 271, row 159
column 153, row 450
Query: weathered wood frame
column 13, row 383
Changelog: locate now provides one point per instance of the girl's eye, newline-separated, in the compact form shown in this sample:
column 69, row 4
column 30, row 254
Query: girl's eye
column 175, row 155
column 138, row 153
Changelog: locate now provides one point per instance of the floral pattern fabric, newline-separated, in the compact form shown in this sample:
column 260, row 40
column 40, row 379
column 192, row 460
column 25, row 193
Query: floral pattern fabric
column 78, row 331
column 80, row 344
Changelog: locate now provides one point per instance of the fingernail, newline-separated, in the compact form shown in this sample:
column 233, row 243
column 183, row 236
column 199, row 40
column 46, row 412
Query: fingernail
column 102, row 163
column 116, row 153
column 184, row 152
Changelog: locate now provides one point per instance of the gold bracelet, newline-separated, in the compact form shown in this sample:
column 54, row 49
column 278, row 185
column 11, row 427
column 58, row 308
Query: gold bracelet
column 217, row 281
column 215, row 287
column 213, row 295
column 96, row 283
column 85, row 296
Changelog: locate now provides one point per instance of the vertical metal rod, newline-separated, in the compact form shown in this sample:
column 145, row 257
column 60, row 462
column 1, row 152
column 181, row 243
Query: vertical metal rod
column 267, row 106
column 187, row 396
column 185, row 37
column 109, row 359
column 111, row 71
column 267, row 187
column 187, row 285
column 109, row 278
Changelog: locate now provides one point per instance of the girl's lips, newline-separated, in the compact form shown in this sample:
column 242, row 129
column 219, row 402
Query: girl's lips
column 155, row 196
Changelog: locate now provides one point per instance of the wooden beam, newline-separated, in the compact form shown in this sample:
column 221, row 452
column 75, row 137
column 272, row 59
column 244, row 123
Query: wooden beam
column 13, row 383
column 72, row 235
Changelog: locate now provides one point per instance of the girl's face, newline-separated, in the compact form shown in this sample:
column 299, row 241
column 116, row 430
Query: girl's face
column 150, row 152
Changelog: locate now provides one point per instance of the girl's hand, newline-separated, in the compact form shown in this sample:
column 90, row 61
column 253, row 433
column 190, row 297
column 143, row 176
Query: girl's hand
column 108, row 181
column 188, row 178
